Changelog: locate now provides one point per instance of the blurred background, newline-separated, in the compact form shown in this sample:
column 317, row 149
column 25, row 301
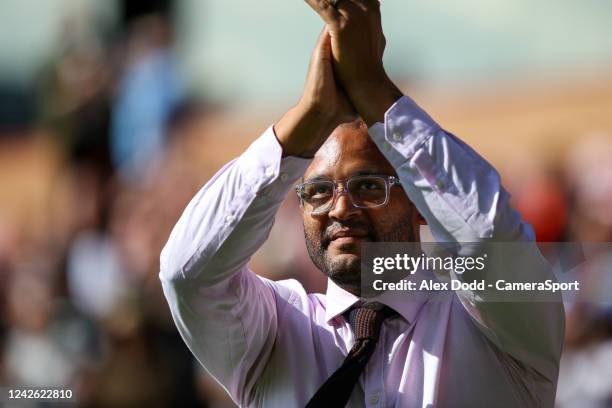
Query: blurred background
column 113, row 113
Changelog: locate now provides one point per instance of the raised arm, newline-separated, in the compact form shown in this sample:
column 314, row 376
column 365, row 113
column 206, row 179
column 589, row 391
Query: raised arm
column 457, row 192
column 226, row 314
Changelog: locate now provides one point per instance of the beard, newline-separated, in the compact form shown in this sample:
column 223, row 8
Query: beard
column 345, row 270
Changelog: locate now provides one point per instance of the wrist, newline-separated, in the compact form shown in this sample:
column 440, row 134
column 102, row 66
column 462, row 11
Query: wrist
column 373, row 99
column 313, row 113
column 303, row 129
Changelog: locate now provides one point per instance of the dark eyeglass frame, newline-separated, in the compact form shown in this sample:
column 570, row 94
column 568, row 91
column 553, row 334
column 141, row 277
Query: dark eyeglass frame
column 389, row 181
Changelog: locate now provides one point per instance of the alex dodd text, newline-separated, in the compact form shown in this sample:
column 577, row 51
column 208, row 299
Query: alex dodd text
column 481, row 285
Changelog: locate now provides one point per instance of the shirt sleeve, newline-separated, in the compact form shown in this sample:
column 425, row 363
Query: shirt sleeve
column 461, row 198
column 225, row 313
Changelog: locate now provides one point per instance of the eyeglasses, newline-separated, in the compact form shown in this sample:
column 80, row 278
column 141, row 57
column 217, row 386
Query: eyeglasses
column 318, row 197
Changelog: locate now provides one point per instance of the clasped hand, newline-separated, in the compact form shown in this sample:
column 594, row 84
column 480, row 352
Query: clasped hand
column 346, row 77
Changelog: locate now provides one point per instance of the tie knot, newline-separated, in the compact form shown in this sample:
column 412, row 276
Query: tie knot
column 367, row 319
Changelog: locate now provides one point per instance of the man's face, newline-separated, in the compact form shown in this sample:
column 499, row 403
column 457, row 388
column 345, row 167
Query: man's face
column 334, row 238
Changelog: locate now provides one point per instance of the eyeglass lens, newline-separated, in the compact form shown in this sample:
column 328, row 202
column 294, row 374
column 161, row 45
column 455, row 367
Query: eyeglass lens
column 364, row 192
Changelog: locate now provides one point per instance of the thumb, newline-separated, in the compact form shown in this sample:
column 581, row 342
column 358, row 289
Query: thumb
column 323, row 47
column 320, row 67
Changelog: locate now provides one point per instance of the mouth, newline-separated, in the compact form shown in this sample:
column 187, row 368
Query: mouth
column 348, row 236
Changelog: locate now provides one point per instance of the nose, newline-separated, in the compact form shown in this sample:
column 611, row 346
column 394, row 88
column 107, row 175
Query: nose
column 343, row 208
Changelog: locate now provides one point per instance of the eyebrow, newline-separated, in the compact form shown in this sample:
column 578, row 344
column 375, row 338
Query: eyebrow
column 367, row 172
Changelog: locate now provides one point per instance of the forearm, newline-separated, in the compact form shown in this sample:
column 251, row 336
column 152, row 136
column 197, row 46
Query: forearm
column 454, row 189
column 230, row 217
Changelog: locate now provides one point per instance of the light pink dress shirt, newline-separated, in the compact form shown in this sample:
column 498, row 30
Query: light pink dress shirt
column 271, row 344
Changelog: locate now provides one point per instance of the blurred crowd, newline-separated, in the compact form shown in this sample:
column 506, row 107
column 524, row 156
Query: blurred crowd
column 81, row 304
column 105, row 152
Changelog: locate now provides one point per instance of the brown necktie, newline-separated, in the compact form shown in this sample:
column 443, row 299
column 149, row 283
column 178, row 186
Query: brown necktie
column 366, row 321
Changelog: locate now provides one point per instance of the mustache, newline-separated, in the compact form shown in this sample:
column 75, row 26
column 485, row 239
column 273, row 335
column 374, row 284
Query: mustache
column 348, row 224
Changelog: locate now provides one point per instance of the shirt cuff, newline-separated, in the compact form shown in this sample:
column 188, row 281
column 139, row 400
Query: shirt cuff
column 406, row 128
column 271, row 174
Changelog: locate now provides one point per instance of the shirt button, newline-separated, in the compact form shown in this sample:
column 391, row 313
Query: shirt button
column 229, row 219
column 283, row 177
column 374, row 398
column 397, row 136
column 269, row 171
column 440, row 184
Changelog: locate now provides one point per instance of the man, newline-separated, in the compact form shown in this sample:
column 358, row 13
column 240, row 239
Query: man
column 270, row 344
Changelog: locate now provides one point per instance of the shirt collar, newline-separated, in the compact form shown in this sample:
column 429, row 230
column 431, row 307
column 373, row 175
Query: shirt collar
column 337, row 301
column 406, row 304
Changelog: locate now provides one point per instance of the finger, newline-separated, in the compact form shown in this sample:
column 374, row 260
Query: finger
column 323, row 8
column 324, row 44
column 321, row 52
column 322, row 36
